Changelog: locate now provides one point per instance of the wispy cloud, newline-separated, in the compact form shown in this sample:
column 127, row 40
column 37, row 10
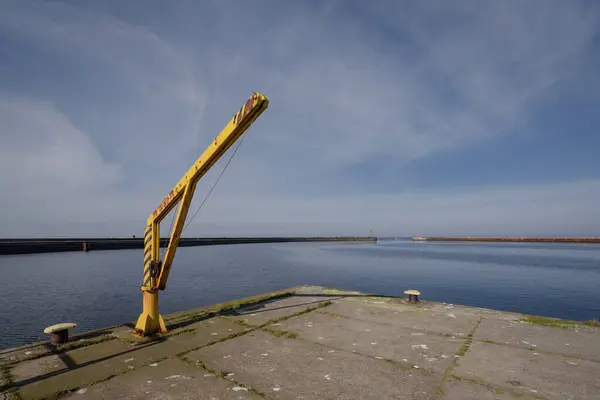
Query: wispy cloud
column 437, row 77
column 103, row 109
column 42, row 151
column 555, row 209
column 132, row 89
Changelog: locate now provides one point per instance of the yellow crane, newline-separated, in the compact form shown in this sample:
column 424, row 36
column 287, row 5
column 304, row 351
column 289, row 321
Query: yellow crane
column 156, row 271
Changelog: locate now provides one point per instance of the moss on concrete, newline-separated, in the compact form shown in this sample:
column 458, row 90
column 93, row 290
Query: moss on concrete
column 5, row 377
column 201, row 364
column 262, row 326
column 60, row 394
column 207, row 312
column 6, row 381
column 333, row 291
column 333, row 315
column 223, row 375
column 559, row 323
column 251, row 329
column 238, row 321
column 234, row 335
column 281, row 333
column 136, row 341
column 460, row 353
column 533, row 349
column 286, row 334
column 230, row 305
column 10, row 395
column 67, row 391
column 495, row 389
column 439, row 391
column 400, row 364
column 79, row 344
column 60, row 349
column 306, row 310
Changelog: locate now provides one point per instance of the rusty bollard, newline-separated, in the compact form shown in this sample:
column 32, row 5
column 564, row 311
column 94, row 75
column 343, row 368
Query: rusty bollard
column 59, row 333
column 413, row 295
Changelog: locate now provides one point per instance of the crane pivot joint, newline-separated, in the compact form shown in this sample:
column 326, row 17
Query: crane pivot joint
column 155, row 267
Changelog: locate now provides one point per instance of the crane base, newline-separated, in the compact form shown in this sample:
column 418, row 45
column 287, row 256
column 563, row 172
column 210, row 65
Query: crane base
column 146, row 325
column 150, row 321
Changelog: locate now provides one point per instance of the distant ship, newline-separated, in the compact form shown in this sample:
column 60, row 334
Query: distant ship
column 419, row 238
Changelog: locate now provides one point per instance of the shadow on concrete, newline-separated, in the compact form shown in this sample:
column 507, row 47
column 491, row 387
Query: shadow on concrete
column 342, row 295
column 261, row 307
column 242, row 310
column 67, row 360
column 93, row 334
column 72, row 365
column 72, row 338
column 192, row 320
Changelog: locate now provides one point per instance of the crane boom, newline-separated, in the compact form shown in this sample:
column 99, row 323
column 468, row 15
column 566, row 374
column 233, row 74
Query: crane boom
column 156, row 272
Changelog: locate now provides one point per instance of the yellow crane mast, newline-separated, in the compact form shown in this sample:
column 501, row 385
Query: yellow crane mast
column 156, row 271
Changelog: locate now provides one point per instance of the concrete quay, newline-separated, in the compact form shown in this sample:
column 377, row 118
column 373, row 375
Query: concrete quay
column 318, row 343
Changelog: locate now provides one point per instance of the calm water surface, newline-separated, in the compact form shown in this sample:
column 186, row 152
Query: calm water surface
column 100, row 289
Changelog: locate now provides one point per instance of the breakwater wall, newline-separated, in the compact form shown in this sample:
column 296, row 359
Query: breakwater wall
column 512, row 239
column 53, row 245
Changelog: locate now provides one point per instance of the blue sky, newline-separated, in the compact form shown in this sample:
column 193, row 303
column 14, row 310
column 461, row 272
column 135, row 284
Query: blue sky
column 444, row 118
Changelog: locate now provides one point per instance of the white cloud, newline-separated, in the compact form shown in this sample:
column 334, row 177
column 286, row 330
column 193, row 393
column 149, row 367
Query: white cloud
column 42, row 151
column 48, row 167
column 132, row 90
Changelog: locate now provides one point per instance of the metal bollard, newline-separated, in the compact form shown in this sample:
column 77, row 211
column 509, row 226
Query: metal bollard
column 413, row 295
column 59, row 333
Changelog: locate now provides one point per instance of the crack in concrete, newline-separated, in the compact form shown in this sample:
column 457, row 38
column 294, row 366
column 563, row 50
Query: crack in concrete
column 536, row 349
column 428, row 332
column 222, row 375
column 9, row 386
column 61, row 349
column 460, row 353
column 496, row 388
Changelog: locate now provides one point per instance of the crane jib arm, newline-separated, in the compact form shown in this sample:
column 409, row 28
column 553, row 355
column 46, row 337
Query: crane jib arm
column 232, row 131
column 156, row 271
